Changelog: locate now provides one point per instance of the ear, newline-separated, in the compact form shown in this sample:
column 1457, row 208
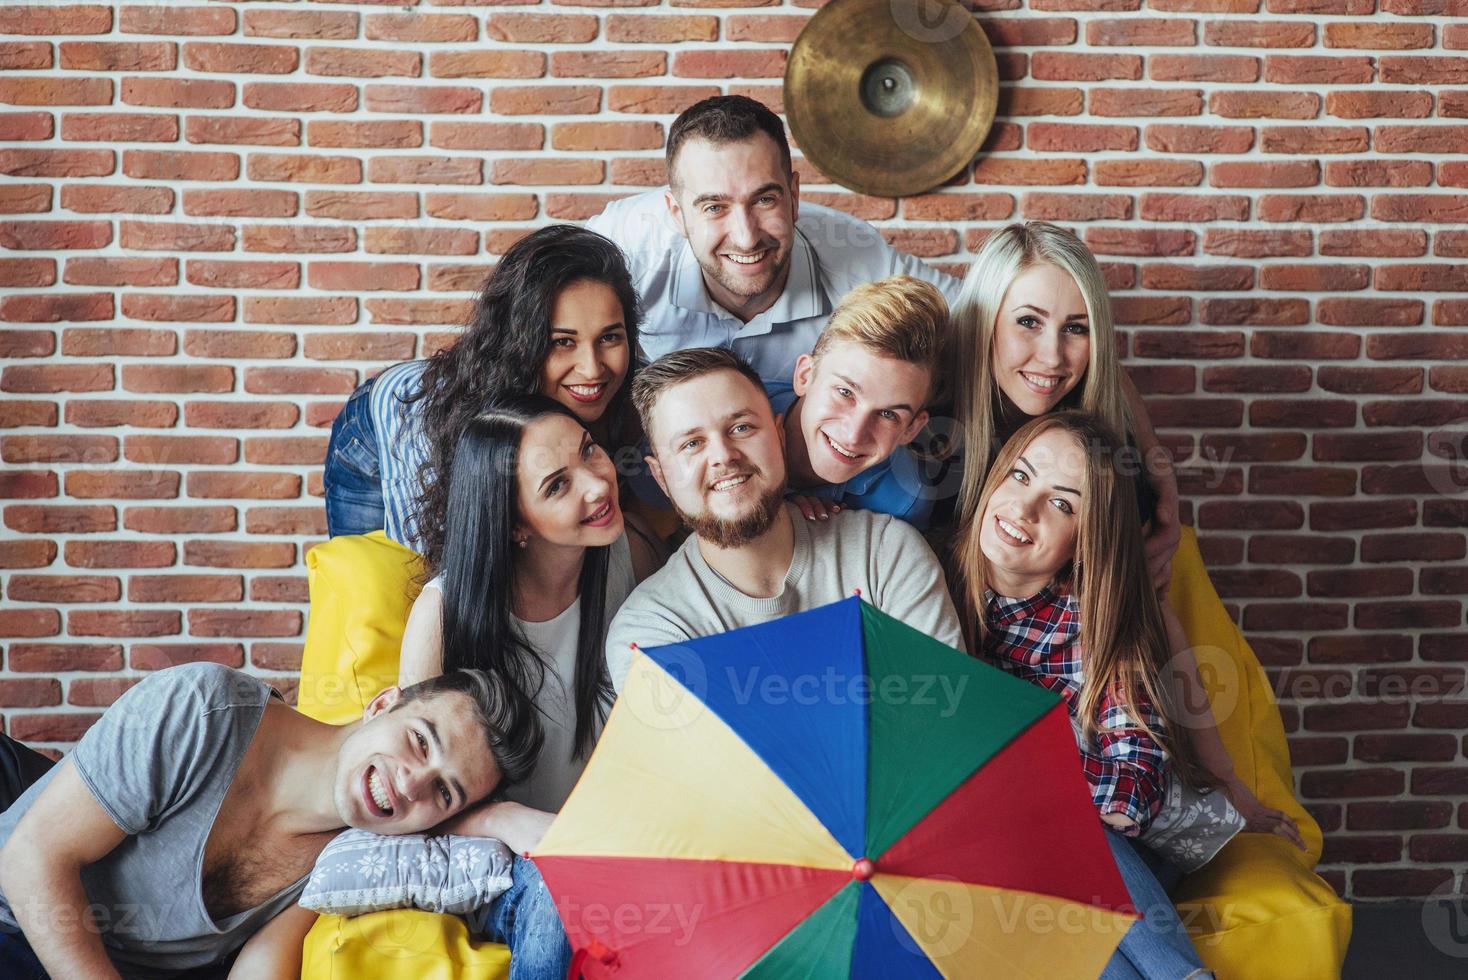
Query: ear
column 913, row 428
column 386, row 698
column 656, row 469
column 805, row 369
column 794, row 194
column 675, row 210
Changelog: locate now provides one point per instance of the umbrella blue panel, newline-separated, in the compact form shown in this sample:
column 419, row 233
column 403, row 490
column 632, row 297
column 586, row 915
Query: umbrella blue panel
column 885, row 950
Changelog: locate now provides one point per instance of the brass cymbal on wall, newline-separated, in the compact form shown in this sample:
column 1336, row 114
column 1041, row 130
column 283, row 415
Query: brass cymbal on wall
column 891, row 97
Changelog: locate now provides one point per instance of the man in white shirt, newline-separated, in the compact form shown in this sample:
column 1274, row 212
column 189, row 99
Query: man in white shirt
column 719, row 455
column 727, row 256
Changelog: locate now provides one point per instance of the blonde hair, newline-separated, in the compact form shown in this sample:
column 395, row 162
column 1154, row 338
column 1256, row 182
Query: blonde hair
column 1006, row 254
column 1123, row 637
column 899, row 317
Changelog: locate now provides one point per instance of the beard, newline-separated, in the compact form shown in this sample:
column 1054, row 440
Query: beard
column 739, row 531
column 739, row 285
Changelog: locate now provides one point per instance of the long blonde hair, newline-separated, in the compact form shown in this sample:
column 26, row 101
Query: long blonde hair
column 1006, row 254
column 1124, row 645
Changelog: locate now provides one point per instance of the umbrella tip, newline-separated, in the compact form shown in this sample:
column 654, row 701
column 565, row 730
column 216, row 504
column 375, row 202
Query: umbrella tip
column 632, row 646
column 856, row 592
column 863, row 869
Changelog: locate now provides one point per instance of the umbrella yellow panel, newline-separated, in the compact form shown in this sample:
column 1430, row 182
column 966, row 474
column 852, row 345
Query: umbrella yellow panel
column 977, row 931
column 669, row 779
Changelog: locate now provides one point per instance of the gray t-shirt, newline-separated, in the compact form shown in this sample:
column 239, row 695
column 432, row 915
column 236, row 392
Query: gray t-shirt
column 882, row 556
column 159, row 762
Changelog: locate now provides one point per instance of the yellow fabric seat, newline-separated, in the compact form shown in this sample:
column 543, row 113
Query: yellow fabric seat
column 362, row 587
column 1257, row 910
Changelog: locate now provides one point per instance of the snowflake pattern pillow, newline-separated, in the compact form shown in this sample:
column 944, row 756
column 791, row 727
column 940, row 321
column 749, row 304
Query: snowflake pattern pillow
column 361, row 872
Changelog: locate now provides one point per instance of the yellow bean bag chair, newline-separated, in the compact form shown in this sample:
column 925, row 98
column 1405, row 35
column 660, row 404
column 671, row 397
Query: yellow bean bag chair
column 1257, row 910
column 362, row 587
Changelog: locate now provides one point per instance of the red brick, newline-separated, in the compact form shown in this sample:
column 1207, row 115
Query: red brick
column 488, row 63
column 175, row 450
column 357, row 276
column 89, row 271
column 29, row 622
column 57, row 163
column 1378, row 173
column 1264, row 378
column 299, row 238
column 177, row 378
column 59, row 657
column 157, row 656
column 25, row 413
column 299, row 97
column 308, row 24
column 58, row 589
column 58, row 449
column 417, row 28
column 656, row 99
column 257, row 485
column 51, row 726
column 177, row 308
column 46, row 235
column 1424, row 71
column 178, row 93
column 232, row 622
column 1203, row 68
column 300, row 310
column 418, row 99
column 363, row 62
column 119, row 554
column 171, row 20
column 25, row 55
column 1360, row 582
column 174, row 165
column 25, row 198
column 164, row 236
column 130, row 127
column 105, row 199
column 398, row 133
column 1350, row 515
column 42, row 90
column 27, row 484
column 1080, row 137
column 53, row 21
column 240, row 203
column 425, row 170
column 360, row 346
column 1145, row 173
column 239, row 554
column 243, row 275
column 286, row 520
column 239, row 343
column 1390, row 381
column 1378, row 103
column 646, row 29
column 180, row 520
column 253, row 414
column 488, row 136
column 1445, row 140
column 211, row 56
column 1258, row 34
column 102, row 342
column 55, row 308
column 291, row 380
column 49, row 378
column 359, row 205
column 1357, row 446
column 28, row 553
column 313, row 169
column 185, row 588
column 1260, row 104
column 1132, row 103
column 1053, row 101
column 132, row 622
column 117, row 56
column 1417, row 346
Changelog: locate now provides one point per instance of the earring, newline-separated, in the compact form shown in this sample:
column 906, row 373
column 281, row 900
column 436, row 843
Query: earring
column 523, row 542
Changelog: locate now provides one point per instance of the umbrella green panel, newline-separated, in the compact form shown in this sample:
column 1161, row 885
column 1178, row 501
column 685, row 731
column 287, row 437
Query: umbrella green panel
column 936, row 716
column 817, row 949
column 792, row 691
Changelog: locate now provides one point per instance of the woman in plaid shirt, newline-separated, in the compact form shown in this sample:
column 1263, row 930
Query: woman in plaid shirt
column 1052, row 581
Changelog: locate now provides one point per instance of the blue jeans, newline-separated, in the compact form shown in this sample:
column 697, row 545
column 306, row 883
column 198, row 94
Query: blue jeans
column 525, row 919
column 353, row 478
column 17, row 961
column 1156, row 947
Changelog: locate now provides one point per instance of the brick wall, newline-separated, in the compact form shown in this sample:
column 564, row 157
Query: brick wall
column 219, row 218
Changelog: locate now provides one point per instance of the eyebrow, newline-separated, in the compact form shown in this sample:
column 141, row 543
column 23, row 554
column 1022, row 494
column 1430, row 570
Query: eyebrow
column 438, row 749
column 1032, row 306
column 737, row 414
column 550, row 476
column 1056, row 486
column 619, row 325
column 763, row 189
column 904, row 406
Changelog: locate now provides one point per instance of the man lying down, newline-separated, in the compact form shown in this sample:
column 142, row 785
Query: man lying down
column 186, row 821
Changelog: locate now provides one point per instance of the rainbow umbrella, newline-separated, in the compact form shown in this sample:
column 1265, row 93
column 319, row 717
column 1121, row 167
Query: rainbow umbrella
column 833, row 794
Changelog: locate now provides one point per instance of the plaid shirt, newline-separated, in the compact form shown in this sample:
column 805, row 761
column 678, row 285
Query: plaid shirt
column 1038, row 639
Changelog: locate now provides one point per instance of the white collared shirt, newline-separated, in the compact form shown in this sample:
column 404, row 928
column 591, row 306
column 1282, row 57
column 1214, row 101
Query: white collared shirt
column 833, row 252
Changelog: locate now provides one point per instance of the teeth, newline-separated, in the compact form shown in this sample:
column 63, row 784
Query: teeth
column 1041, row 382
column 837, row 446
column 587, row 391
column 379, row 795
column 605, row 508
column 1013, row 531
column 730, row 483
column 745, row 259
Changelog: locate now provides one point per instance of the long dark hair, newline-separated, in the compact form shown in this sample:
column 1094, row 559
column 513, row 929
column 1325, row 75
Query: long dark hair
column 502, row 350
column 478, row 568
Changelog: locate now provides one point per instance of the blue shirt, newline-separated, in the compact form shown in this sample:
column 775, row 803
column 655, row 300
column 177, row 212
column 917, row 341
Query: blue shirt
column 894, row 486
column 832, row 253
column 402, row 448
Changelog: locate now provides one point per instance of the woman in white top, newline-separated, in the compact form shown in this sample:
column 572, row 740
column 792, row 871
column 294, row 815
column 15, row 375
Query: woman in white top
column 536, row 560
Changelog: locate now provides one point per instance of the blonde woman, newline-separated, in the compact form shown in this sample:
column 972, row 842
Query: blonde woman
column 1033, row 334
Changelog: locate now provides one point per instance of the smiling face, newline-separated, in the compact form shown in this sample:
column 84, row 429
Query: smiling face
column 719, row 456
column 1042, row 339
column 1032, row 518
column 406, row 770
column 858, row 407
column 589, row 353
column 736, row 205
column 567, row 486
